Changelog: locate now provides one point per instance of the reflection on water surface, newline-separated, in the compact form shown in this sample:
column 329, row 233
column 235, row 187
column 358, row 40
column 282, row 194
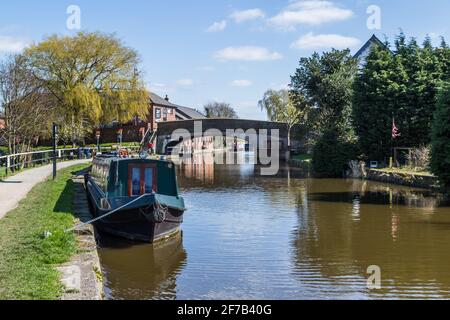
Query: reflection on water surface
column 289, row 237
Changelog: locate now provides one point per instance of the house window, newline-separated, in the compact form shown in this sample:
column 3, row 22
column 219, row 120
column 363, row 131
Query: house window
column 142, row 179
column 157, row 114
column 170, row 111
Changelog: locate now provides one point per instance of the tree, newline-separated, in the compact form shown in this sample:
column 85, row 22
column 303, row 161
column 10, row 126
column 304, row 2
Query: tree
column 93, row 76
column 325, row 81
column 27, row 107
column 220, row 110
column 423, row 78
column 280, row 108
column 400, row 84
column 332, row 153
column 375, row 102
column 440, row 152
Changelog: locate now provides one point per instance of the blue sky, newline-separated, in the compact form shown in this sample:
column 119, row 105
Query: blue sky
column 199, row 51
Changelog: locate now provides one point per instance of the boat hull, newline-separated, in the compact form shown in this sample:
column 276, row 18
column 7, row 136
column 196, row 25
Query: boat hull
column 140, row 195
column 136, row 226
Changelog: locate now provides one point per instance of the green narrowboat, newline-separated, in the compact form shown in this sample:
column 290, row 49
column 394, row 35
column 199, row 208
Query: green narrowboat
column 134, row 198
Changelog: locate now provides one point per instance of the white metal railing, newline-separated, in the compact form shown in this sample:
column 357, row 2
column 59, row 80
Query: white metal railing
column 15, row 162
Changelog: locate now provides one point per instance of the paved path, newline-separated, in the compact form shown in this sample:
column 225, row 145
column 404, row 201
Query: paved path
column 15, row 188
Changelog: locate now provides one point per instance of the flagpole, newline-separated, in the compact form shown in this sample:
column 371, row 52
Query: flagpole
column 391, row 162
column 394, row 135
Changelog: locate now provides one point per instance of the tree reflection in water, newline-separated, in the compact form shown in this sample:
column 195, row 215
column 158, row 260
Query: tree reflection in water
column 289, row 236
column 402, row 230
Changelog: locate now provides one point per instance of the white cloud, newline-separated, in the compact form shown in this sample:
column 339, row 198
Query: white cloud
column 241, row 83
column 247, row 53
column 185, row 82
column 246, row 15
column 217, row 26
column 311, row 41
column 309, row 12
column 12, row 45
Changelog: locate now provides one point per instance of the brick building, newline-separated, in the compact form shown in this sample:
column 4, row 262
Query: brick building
column 160, row 110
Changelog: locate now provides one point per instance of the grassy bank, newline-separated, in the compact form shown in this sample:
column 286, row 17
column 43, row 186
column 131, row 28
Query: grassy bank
column 409, row 171
column 27, row 258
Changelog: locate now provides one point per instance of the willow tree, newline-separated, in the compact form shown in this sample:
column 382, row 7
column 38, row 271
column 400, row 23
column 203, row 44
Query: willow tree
column 94, row 78
column 280, row 107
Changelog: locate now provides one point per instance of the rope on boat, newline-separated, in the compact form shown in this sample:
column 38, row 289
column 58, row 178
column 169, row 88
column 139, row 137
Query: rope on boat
column 106, row 214
column 158, row 214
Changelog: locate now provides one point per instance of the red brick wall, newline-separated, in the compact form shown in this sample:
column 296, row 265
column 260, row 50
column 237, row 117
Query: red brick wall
column 133, row 133
column 130, row 134
column 164, row 112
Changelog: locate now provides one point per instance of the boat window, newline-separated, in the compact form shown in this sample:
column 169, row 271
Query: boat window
column 148, row 180
column 135, row 182
column 142, row 179
column 99, row 174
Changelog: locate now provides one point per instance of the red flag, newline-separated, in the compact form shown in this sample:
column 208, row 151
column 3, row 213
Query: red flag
column 395, row 131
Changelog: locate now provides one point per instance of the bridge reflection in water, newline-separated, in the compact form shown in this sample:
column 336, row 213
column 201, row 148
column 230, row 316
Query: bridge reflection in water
column 291, row 237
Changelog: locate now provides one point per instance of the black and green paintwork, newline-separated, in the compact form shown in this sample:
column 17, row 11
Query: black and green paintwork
column 107, row 186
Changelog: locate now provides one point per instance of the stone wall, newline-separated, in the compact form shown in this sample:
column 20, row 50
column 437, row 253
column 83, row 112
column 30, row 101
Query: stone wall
column 404, row 179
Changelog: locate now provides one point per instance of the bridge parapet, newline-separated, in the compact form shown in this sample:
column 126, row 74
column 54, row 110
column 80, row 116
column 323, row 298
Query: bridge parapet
column 167, row 128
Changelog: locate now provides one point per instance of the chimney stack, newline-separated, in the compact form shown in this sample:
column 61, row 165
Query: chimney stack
column 166, row 98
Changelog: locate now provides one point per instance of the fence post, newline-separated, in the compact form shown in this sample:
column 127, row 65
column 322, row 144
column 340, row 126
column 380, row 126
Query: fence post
column 8, row 164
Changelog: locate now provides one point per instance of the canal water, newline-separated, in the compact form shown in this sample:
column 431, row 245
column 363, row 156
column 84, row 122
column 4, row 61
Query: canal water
column 289, row 236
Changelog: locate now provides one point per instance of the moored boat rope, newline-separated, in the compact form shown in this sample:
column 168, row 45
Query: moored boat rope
column 107, row 214
column 158, row 212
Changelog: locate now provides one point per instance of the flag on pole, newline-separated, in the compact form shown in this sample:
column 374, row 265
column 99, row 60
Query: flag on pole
column 395, row 131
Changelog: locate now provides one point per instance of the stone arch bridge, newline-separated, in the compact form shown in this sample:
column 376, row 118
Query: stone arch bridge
column 212, row 127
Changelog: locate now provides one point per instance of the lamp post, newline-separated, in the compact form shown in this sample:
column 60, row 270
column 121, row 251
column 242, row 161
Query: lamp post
column 97, row 135
column 54, row 140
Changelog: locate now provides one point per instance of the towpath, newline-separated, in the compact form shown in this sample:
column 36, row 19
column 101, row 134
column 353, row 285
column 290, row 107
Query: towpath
column 15, row 188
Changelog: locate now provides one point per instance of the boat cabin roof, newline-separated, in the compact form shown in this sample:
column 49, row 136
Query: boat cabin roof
column 114, row 158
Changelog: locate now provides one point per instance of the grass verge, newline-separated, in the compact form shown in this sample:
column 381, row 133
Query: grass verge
column 27, row 258
column 410, row 171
